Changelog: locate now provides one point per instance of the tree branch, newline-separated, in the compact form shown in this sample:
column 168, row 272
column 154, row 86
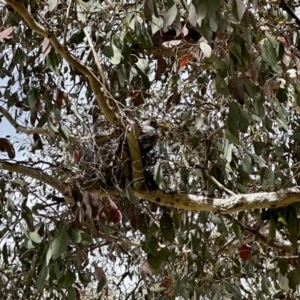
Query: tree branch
column 230, row 205
column 20, row 128
column 34, row 173
column 95, row 84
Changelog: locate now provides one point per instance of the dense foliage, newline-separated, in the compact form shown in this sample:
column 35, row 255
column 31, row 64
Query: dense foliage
column 156, row 149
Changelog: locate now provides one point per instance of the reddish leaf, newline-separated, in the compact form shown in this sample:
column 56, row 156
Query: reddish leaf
column 33, row 117
column 161, row 67
column 46, row 47
column 245, row 252
column 282, row 40
column 112, row 257
column 38, row 106
column 184, row 60
column 7, row 33
column 148, row 10
column 6, row 146
column 146, row 268
column 59, row 98
column 99, row 273
column 138, row 99
column 76, row 156
column 174, row 99
column 37, row 141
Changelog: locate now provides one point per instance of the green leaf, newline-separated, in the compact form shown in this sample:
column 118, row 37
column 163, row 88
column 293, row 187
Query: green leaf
column 176, row 219
column 294, row 278
column 59, row 244
column 75, row 236
column 19, row 57
column 52, row 4
column 66, row 280
column 64, row 131
column 233, row 139
column 129, row 192
column 153, row 261
column 238, row 9
column 142, row 67
column 258, row 159
column 35, row 237
column 156, row 24
column 71, row 293
column 170, row 17
column 259, row 109
column 237, row 231
column 268, row 54
column 143, row 223
column 247, row 165
column 158, row 177
column 167, row 227
column 283, row 266
column 232, row 121
column 42, row 277
column 112, row 52
column 52, row 61
column 241, row 188
column 221, row 86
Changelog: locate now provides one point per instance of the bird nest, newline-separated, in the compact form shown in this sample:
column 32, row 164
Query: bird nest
column 108, row 160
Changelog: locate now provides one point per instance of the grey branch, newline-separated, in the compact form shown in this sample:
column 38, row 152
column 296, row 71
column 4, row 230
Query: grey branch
column 233, row 204
column 35, row 174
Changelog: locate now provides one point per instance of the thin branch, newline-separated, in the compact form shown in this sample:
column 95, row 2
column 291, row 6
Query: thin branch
column 99, row 67
column 34, row 173
column 95, row 85
column 217, row 131
column 218, row 184
column 20, row 128
column 66, row 23
column 110, row 114
column 135, row 155
column 233, row 204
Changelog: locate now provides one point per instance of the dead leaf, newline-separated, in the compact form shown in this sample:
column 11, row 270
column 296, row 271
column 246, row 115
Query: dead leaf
column 7, row 146
column 33, row 117
column 172, row 43
column 174, row 99
column 137, row 99
column 206, row 49
column 282, row 40
column 184, row 30
column 37, row 141
column 184, row 60
column 148, row 10
column 145, row 267
column 161, row 67
column 7, row 33
column 76, row 156
column 99, row 273
column 46, row 47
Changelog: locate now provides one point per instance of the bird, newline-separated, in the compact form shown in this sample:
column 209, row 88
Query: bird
column 148, row 137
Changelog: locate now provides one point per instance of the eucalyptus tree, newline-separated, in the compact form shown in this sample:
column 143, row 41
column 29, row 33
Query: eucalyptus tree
column 155, row 152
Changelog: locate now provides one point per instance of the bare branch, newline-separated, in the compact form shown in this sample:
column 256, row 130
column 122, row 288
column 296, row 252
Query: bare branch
column 99, row 67
column 20, row 128
column 218, row 184
column 135, row 154
column 34, row 173
column 95, row 84
column 233, row 204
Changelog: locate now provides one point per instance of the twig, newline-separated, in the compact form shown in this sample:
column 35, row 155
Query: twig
column 215, row 132
column 99, row 67
column 66, row 23
column 218, row 184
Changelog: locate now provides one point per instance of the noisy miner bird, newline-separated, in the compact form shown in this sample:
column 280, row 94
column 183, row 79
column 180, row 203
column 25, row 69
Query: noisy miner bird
column 149, row 136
